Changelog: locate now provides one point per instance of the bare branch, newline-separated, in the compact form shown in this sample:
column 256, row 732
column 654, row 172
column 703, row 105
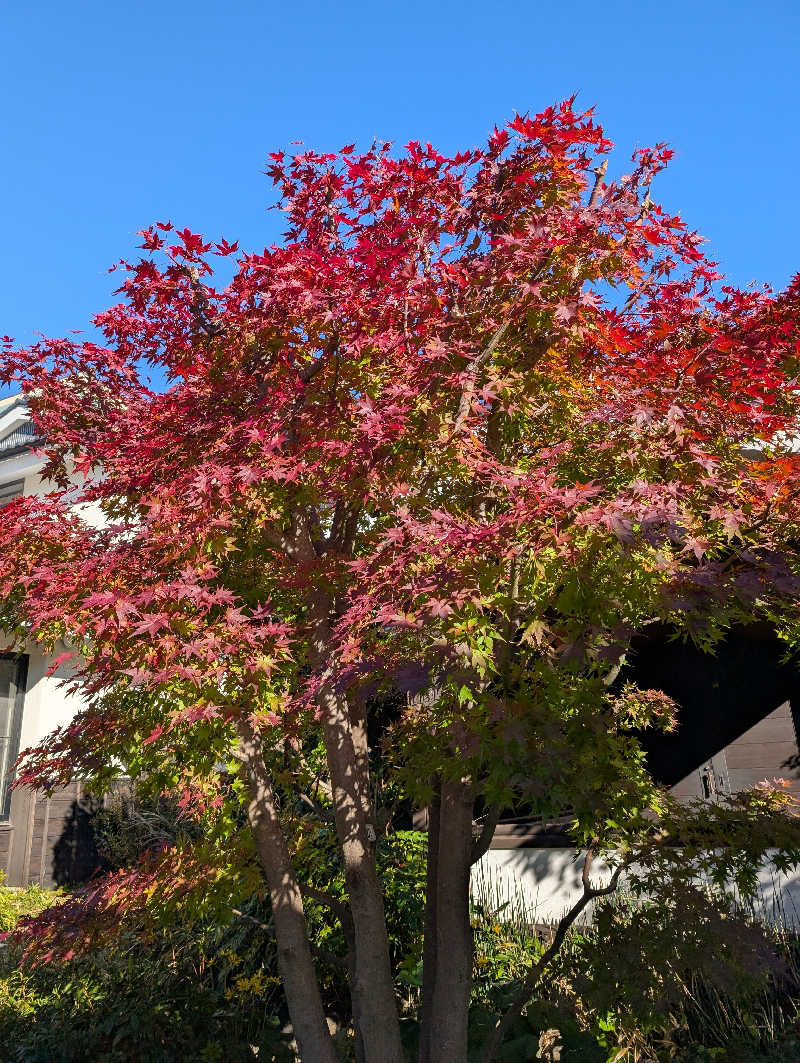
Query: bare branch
column 201, row 307
column 350, row 529
column 640, row 290
column 538, row 969
column 610, row 679
column 308, row 373
column 468, row 393
column 339, row 908
column 599, row 180
column 268, row 927
column 319, row 810
column 319, row 782
column 480, row 845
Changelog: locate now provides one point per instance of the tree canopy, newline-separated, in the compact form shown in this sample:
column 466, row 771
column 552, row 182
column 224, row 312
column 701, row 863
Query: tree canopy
column 471, row 425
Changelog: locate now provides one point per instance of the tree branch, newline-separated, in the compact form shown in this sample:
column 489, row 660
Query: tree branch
column 319, row 810
column 308, row 372
column 267, row 927
column 468, row 393
column 538, row 969
column 201, row 307
column 600, row 173
column 339, row 908
column 480, row 845
column 319, row 782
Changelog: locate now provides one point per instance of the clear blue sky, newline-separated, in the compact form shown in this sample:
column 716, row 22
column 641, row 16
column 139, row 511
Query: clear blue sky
column 120, row 114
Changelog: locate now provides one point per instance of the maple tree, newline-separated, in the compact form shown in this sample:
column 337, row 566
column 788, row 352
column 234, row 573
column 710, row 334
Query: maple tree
column 475, row 422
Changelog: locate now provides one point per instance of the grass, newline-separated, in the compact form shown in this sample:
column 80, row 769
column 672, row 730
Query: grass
column 15, row 903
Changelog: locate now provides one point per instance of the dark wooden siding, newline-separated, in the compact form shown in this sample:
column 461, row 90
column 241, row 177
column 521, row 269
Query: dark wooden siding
column 737, row 722
column 6, row 834
column 767, row 750
column 50, row 838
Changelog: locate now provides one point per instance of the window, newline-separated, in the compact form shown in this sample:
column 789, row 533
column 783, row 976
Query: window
column 13, row 674
column 10, row 490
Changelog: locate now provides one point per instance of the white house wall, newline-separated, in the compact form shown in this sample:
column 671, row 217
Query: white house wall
column 540, row 885
column 35, row 485
column 47, row 703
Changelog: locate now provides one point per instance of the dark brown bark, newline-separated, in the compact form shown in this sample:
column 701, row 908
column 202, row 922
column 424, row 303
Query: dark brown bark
column 429, row 952
column 295, row 964
column 342, row 911
column 447, row 1037
column 355, row 1002
column 373, row 987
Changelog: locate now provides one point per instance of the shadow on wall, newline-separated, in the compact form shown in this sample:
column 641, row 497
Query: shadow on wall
column 563, row 871
column 779, row 897
column 721, row 696
column 531, row 885
column 539, row 885
column 74, row 852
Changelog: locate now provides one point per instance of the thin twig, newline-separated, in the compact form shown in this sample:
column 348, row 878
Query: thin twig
column 268, row 927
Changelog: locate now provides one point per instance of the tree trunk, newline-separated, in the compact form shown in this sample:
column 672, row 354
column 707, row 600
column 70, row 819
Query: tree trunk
column 295, row 965
column 429, row 953
column 447, row 1035
column 356, row 1004
column 374, row 986
column 358, row 729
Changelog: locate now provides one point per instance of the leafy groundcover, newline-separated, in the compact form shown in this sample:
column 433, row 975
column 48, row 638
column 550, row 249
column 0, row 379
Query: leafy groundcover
column 208, row 993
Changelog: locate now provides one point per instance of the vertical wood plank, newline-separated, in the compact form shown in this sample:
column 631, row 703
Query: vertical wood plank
column 45, row 843
column 28, row 843
column 6, row 848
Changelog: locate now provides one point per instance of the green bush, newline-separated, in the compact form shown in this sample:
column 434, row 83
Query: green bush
column 193, row 992
column 131, row 823
column 202, row 992
column 184, row 995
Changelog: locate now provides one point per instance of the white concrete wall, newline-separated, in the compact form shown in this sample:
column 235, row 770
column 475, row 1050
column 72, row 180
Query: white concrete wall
column 535, row 885
column 540, row 885
column 47, row 704
column 35, row 485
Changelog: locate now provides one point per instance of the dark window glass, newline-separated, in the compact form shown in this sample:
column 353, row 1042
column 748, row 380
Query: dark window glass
column 13, row 672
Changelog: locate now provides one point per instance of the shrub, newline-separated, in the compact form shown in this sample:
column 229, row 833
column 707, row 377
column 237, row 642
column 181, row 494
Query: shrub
column 193, row 991
column 182, row 995
column 131, row 824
